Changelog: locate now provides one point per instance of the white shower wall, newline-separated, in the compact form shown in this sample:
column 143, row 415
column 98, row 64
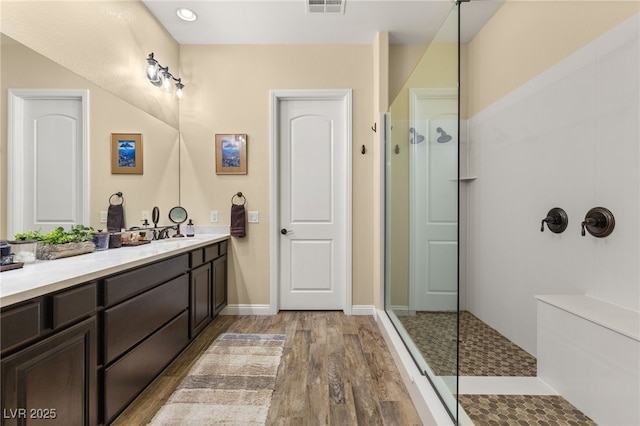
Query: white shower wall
column 568, row 138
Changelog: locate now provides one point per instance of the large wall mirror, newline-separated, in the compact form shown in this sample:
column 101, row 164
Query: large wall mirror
column 26, row 71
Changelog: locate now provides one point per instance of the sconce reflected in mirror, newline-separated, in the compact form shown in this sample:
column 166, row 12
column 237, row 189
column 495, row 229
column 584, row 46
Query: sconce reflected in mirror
column 160, row 76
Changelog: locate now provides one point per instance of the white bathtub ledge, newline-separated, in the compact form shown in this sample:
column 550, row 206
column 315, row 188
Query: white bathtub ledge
column 616, row 318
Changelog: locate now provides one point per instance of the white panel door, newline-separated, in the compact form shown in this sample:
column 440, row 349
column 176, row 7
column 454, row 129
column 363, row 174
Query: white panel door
column 434, row 200
column 313, row 203
column 48, row 170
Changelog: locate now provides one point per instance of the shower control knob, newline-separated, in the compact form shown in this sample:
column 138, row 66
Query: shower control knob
column 556, row 220
column 599, row 222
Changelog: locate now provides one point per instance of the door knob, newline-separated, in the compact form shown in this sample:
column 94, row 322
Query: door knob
column 285, row 231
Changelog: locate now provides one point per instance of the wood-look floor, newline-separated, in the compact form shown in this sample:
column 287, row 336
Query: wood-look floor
column 335, row 370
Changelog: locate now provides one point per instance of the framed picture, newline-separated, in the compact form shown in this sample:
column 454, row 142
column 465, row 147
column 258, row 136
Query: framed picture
column 231, row 154
column 126, row 153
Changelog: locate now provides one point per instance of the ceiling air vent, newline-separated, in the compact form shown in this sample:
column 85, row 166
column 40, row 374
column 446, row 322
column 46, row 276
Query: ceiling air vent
column 325, row 6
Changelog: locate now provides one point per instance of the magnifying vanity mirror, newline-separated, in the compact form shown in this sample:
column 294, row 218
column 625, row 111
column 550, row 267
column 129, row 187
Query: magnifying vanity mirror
column 178, row 215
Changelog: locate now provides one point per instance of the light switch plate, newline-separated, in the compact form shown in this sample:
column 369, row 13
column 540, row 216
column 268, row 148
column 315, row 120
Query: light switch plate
column 253, row 217
column 103, row 217
column 214, row 216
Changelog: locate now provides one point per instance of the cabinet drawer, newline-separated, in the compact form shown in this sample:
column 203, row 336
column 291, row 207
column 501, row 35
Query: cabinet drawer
column 132, row 321
column 223, row 247
column 211, row 252
column 126, row 378
column 124, row 285
column 197, row 258
column 18, row 325
column 74, row 304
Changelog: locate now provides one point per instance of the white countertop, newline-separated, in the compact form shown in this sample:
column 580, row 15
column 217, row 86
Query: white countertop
column 46, row 276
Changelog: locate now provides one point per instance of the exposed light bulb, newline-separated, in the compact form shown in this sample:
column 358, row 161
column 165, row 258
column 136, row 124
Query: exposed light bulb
column 152, row 71
column 166, row 80
column 179, row 87
column 160, row 76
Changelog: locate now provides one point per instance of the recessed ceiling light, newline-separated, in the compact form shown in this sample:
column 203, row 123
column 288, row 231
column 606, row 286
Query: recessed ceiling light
column 186, row 14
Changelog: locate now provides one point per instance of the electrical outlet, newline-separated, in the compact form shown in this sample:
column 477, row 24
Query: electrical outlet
column 103, row 217
column 214, row 216
column 145, row 215
column 253, row 217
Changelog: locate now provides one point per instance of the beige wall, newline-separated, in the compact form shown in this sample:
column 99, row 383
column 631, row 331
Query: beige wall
column 381, row 105
column 22, row 68
column 106, row 42
column 229, row 93
column 526, row 37
column 403, row 58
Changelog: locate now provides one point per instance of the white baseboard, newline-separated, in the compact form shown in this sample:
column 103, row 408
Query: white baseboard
column 246, row 310
column 363, row 310
column 266, row 310
column 401, row 310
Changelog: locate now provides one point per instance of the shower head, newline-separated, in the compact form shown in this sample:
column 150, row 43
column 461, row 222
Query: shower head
column 444, row 137
column 415, row 136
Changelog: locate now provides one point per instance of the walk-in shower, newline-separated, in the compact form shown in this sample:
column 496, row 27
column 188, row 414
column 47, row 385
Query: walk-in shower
column 507, row 323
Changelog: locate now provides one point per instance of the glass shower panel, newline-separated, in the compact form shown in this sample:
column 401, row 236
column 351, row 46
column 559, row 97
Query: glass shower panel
column 421, row 221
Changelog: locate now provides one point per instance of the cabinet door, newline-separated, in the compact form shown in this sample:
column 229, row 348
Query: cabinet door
column 53, row 382
column 201, row 298
column 219, row 284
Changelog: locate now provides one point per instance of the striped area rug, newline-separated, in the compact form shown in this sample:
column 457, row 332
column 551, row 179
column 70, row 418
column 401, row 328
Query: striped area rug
column 231, row 383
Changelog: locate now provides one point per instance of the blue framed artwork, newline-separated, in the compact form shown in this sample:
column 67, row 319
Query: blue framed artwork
column 126, row 153
column 231, row 154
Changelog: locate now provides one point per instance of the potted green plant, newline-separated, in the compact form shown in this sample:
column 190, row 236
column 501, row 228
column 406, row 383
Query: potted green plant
column 60, row 243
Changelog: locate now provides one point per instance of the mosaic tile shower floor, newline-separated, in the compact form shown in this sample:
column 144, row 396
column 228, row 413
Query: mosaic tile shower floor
column 485, row 352
column 523, row 410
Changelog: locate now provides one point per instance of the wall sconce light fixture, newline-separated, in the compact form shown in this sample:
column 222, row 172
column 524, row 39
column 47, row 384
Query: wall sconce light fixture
column 160, row 76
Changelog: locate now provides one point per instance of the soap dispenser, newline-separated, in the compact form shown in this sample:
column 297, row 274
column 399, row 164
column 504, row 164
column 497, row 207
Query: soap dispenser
column 190, row 229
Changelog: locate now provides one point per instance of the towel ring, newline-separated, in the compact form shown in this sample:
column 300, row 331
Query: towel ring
column 239, row 195
column 117, row 194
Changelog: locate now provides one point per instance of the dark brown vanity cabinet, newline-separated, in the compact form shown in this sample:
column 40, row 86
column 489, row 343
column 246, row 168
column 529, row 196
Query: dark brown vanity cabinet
column 219, row 276
column 81, row 355
column 49, row 367
column 54, row 381
column 145, row 327
column 218, row 256
column 208, row 285
column 201, row 298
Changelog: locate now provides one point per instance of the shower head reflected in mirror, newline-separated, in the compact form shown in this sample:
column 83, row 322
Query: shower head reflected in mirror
column 444, row 137
column 415, row 136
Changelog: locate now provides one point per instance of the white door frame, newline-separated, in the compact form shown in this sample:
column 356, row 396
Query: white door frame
column 309, row 94
column 15, row 150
